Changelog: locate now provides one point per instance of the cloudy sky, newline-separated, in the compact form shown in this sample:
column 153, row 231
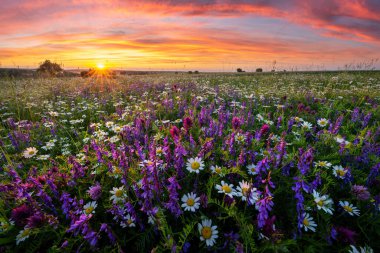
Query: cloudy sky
column 212, row 35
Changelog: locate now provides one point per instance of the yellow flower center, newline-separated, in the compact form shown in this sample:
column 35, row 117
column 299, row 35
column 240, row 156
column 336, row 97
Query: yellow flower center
column 341, row 173
column 320, row 203
column 190, row 202
column 348, row 208
column 305, row 222
column 245, row 191
column 322, row 164
column 195, row 165
column 89, row 210
column 26, row 232
column 129, row 222
column 118, row 193
column 226, row 188
column 31, row 152
column 218, row 170
column 159, row 151
column 206, row 232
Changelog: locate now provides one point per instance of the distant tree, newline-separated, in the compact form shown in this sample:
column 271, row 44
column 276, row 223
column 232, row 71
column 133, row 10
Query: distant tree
column 239, row 70
column 190, row 72
column 259, row 70
column 49, row 68
column 196, row 72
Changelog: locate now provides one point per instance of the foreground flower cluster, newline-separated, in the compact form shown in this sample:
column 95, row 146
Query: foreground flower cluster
column 189, row 167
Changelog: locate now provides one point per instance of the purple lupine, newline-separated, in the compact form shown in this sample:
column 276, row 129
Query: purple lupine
column 187, row 123
column 172, row 205
column 297, row 188
column 355, row 115
column 374, row 172
column 236, row 123
column 264, row 205
column 179, row 162
column 305, row 161
column 334, row 128
column 105, row 228
column 290, row 125
column 366, row 119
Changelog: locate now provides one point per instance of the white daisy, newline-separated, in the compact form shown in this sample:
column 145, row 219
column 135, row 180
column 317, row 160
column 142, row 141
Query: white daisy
column 208, row 232
column 239, row 138
column 23, row 235
column 30, row 152
column 129, row 221
column 322, row 164
column 226, row 188
column 243, row 190
column 89, row 208
column 4, row 226
column 118, row 194
column 109, row 124
column 366, row 249
column 252, row 169
column 190, row 202
column 306, row 125
column 349, row 208
column 339, row 171
column 308, row 223
column 323, row 202
column 322, row 122
column 195, row 165
column 217, row 170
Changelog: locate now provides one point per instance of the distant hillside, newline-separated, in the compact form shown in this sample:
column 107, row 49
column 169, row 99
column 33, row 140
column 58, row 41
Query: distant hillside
column 21, row 73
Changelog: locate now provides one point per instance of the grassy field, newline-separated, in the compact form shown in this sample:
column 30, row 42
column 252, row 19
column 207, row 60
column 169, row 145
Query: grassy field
column 271, row 162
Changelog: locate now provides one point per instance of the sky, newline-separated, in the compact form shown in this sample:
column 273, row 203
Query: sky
column 205, row 35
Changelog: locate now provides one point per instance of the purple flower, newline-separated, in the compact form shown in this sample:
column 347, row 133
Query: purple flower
column 346, row 235
column 187, row 123
column 21, row 214
column 174, row 131
column 95, row 191
column 35, row 221
column 360, row 192
column 236, row 123
column 172, row 204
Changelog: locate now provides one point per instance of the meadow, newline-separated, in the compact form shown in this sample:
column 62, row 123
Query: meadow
column 271, row 162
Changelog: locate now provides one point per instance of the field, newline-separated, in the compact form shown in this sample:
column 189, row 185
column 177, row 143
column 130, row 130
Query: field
column 271, row 162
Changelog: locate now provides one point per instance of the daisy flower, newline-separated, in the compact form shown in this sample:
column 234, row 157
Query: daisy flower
column 322, row 164
column 208, row 232
column 23, row 235
column 243, row 190
column 252, row 169
column 118, row 194
column 349, row 208
column 239, row 138
column 4, row 226
column 306, row 125
column 366, row 249
column 322, row 122
column 226, row 188
column 195, row 165
column 217, row 170
column 89, row 208
column 190, row 202
column 30, row 152
column 323, row 202
column 308, row 223
column 109, row 124
column 339, row 171
column 129, row 221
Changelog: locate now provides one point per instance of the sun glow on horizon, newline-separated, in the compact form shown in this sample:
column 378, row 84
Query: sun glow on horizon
column 100, row 66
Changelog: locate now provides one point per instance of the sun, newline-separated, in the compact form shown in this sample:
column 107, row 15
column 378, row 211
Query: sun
column 100, row 66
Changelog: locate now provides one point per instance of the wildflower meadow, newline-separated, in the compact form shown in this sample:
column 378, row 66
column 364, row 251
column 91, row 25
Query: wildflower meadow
column 267, row 162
